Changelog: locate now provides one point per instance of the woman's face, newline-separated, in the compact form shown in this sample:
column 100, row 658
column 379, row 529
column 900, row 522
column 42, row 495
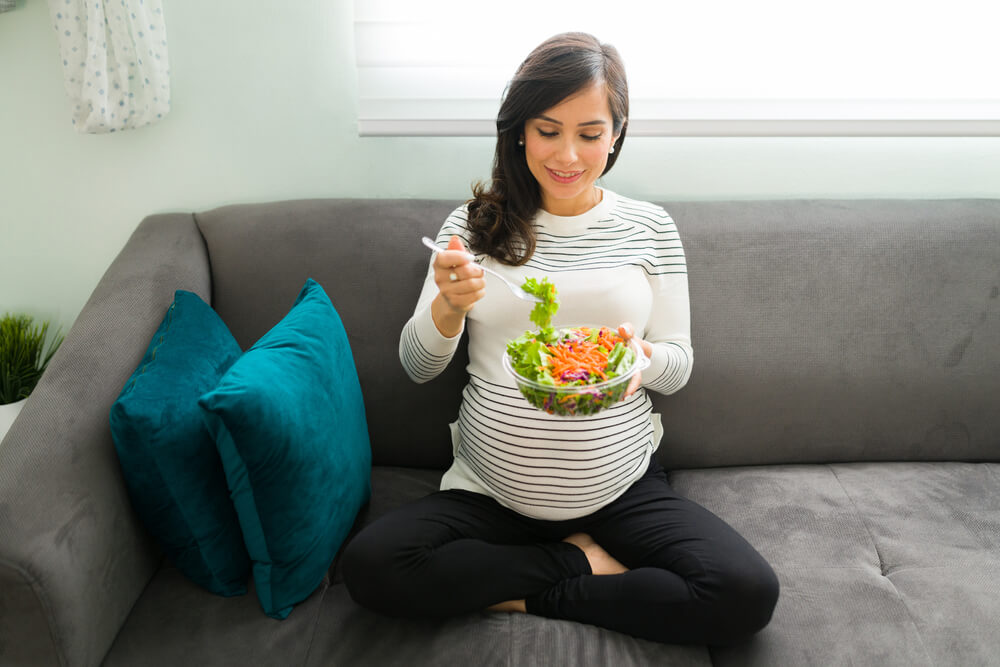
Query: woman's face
column 567, row 148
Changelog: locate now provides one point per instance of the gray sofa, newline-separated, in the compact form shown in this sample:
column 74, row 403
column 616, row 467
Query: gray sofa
column 843, row 414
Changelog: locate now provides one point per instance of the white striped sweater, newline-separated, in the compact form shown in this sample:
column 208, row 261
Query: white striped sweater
column 622, row 261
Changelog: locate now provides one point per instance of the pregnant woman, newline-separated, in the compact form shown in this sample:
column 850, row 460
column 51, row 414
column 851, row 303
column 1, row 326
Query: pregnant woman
column 569, row 518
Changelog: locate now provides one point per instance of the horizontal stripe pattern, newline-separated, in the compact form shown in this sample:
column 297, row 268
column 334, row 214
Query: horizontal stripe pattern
column 538, row 464
column 634, row 233
column 419, row 362
column 534, row 462
column 676, row 373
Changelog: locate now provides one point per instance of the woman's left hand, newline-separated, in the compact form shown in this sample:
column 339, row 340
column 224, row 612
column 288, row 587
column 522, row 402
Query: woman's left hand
column 627, row 331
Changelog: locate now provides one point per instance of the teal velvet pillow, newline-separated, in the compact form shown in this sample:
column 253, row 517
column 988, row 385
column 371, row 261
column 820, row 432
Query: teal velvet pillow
column 172, row 469
column 289, row 422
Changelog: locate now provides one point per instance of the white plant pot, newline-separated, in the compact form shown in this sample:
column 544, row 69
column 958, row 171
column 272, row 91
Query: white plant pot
column 8, row 413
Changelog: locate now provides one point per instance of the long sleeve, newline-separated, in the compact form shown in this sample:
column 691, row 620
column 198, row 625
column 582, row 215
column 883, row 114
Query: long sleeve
column 669, row 332
column 669, row 326
column 423, row 350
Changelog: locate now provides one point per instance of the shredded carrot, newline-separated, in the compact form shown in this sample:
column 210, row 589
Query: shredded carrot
column 574, row 356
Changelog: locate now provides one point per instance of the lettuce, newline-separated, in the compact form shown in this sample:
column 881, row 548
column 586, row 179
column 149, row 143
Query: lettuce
column 543, row 312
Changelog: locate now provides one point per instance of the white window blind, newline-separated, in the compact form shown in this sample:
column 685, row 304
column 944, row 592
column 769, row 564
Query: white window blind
column 706, row 68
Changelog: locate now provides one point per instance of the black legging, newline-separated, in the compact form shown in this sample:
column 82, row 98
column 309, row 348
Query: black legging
column 691, row 578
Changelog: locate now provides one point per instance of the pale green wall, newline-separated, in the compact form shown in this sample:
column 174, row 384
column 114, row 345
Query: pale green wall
column 264, row 108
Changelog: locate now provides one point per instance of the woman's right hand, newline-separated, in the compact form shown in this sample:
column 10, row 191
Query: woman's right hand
column 460, row 285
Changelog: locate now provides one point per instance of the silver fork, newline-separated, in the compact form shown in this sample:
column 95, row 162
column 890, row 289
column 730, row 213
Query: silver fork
column 518, row 292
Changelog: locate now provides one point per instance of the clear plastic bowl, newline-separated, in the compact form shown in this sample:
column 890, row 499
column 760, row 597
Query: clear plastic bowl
column 577, row 400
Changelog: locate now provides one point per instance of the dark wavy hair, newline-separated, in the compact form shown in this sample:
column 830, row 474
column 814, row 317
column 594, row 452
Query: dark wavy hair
column 500, row 216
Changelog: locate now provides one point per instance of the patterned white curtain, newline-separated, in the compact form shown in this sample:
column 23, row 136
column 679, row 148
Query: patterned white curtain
column 114, row 56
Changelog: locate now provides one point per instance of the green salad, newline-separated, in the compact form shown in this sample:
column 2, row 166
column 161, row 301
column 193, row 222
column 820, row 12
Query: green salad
column 568, row 371
column 543, row 312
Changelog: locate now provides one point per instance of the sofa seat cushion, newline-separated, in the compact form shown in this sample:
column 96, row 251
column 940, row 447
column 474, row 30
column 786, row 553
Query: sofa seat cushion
column 351, row 635
column 879, row 563
column 175, row 622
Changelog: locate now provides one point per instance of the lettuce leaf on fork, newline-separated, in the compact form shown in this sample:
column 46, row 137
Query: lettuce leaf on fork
column 543, row 312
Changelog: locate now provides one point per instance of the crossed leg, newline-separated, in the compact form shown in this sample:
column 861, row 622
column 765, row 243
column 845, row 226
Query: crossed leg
column 691, row 577
column 453, row 552
column 651, row 564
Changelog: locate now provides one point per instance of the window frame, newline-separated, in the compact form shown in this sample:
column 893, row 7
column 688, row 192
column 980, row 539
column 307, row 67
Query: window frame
column 422, row 76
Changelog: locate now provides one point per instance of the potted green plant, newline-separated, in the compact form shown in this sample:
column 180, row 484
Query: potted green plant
column 24, row 356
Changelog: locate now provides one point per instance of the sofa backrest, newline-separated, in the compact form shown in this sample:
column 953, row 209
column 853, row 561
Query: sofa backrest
column 826, row 330
column 367, row 255
column 839, row 331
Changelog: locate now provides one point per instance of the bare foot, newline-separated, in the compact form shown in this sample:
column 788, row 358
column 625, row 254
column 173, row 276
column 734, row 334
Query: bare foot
column 509, row 605
column 601, row 562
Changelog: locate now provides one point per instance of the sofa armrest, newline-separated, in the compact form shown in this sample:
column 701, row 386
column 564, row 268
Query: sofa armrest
column 74, row 557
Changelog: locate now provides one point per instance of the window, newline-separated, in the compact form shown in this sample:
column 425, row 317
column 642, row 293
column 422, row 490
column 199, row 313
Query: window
column 705, row 68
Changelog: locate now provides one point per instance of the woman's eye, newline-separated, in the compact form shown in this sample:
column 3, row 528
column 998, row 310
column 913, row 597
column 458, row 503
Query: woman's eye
column 589, row 137
column 547, row 134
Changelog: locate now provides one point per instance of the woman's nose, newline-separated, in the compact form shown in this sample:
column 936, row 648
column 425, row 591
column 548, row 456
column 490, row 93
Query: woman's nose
column 567, row 152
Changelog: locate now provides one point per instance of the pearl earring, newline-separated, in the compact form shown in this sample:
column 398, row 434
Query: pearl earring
column 520, row 142
column 611, row 151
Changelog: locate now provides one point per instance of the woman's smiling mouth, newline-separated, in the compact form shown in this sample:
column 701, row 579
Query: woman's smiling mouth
column 564, row 176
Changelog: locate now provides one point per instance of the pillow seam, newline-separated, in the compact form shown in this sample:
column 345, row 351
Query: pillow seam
column 160, row 343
